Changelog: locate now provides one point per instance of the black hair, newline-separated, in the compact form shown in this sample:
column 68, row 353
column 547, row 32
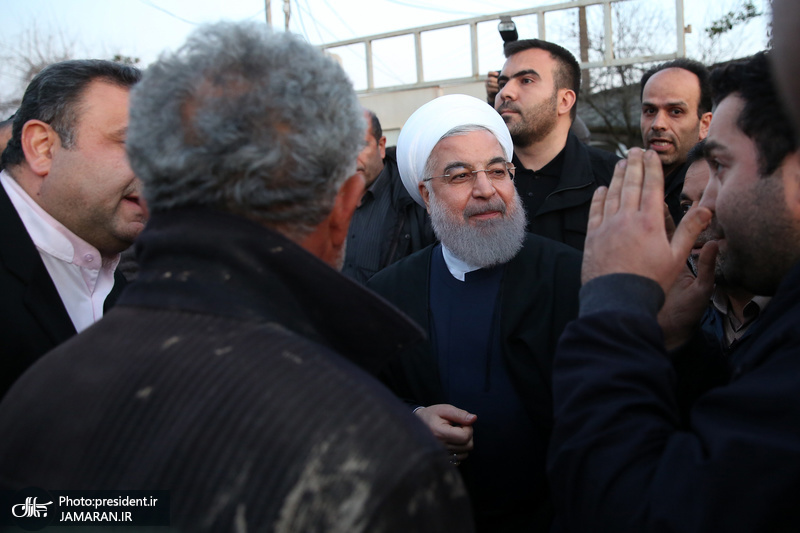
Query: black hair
column 54, row 97
column 762, row 119
column 377, row 131
column 566, row 76
column 696, row 68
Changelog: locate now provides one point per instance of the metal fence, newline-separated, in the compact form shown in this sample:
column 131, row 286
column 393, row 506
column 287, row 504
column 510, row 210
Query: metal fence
column 609, row 58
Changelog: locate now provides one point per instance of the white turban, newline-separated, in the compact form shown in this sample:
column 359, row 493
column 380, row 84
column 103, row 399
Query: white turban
column 425, row 128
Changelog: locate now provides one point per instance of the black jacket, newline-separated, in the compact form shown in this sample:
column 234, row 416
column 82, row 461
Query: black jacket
column 217, row 378
column 33, row 317
column 410, row 232
column 564, row 214
column 622, row 458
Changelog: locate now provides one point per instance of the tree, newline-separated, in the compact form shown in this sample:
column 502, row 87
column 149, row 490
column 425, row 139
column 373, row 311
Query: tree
column 610, row 102
column 33, row 51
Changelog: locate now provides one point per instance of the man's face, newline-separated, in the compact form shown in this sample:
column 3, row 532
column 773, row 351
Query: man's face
column 482, row 220
column 528, row 98
column 669, row 121
column 369, row 162
column 753, row 225
column 693, row 186
column 90, row 188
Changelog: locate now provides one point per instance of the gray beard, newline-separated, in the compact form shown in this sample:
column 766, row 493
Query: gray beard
column 487, row 243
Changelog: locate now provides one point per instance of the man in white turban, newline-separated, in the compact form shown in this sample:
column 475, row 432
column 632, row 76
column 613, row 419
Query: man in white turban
column 493, row 300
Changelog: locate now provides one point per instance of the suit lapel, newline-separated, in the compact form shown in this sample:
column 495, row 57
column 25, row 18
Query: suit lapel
column 22, row 260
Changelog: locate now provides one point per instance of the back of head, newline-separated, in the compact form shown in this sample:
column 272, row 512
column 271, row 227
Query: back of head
column 690, row 65
column 54, row 96
column 763, row 119
column 567, row 76
column 246, row 121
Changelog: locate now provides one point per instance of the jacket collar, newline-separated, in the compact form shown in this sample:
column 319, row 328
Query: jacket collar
column 211, row 262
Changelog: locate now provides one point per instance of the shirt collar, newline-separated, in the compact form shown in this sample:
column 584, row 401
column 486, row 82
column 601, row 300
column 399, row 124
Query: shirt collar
column 456, row 266
column 48, row 234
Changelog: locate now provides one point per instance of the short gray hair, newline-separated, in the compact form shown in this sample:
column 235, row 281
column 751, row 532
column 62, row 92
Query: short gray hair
column 248, row 121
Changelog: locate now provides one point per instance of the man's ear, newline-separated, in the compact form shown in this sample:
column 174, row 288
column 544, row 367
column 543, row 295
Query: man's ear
column 705, row 122
column 38, row 142
column 328, row 238
column 566, row 100
column 344, row 206
column 382, row 147
column 425, row 193
column 790, row 173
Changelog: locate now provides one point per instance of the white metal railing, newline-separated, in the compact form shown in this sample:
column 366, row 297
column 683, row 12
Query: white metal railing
column 608, row 59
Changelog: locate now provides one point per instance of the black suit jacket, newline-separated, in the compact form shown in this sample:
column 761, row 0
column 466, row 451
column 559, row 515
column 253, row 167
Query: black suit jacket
column 33, row 317
column 564, row 214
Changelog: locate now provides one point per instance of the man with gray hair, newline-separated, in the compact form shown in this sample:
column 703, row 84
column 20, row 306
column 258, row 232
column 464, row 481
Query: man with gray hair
column 221, row 376
column 493, row 300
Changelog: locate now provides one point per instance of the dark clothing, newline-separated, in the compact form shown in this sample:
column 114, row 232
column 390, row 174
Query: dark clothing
column 465, row 331
column 387, row 225
column 563, row 214
column 217, row 378
column 33, row 317
column 622, row 460
column 673, row 185
column 538, row 296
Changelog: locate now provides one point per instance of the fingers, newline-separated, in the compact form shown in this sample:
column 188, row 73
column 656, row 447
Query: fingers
column 695, row 221
column 612, row 198
column 669, row 222
column 596, row 209
column 453, row 414
column 449, row 424
column 706, row 266
column 631, row 191
column 652, row 187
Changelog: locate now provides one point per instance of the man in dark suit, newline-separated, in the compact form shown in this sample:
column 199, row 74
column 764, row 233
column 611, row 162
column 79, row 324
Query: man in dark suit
column 69, row 204
column 676, row 114
column 493, row 300
column 556, row 173
column 222, row 375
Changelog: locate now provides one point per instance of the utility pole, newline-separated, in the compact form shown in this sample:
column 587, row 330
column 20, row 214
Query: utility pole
column 287, row 11
column 268, row 7
column 583, row 29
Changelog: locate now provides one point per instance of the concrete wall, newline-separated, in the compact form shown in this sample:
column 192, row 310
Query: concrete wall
column 394, row 108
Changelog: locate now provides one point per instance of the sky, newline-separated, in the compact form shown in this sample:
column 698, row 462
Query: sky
column 144, row 28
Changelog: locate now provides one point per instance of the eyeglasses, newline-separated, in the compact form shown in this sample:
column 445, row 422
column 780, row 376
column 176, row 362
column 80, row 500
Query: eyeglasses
column 460, row 176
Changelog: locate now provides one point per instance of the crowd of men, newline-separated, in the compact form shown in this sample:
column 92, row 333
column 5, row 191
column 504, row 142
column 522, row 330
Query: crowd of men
column 492, row 327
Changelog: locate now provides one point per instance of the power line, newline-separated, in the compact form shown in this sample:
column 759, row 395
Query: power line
column 346, row 25
column 307, row 10
column 431, row 8
column 173, row 15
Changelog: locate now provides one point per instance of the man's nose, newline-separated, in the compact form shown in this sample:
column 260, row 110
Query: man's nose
column 659, row 121
column 482, row 187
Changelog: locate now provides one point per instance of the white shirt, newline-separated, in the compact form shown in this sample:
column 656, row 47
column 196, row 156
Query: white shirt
column 82, row 278
column 456, row 266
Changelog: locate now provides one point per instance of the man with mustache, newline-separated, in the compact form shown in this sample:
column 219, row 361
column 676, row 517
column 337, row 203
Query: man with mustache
column 493, row 300
column 623, row 459
column 556, row 173
column 69, row 204
column 387, row 224
column 733, row 309
column 676, row 113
